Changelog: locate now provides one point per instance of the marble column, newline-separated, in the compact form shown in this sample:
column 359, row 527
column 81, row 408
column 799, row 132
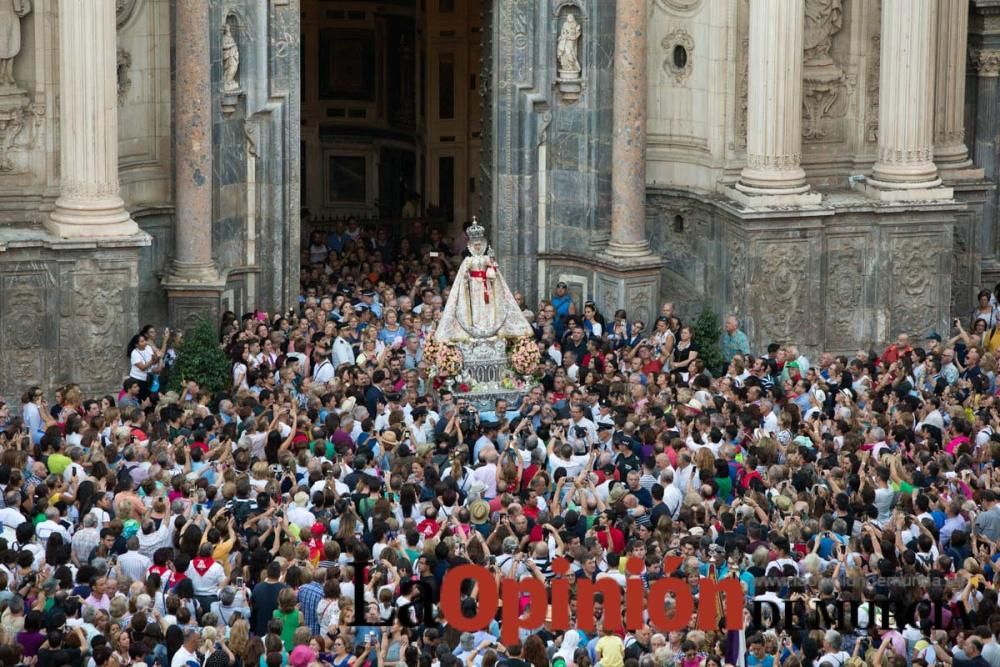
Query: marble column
column 773, row 174
column 905, row 169
column 950, row 152
column 89, row 204
column 193, row 283
column 628, row 148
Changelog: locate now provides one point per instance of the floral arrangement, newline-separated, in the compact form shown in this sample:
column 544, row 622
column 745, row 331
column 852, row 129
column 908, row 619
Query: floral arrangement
column 447, row 359
column 524, row 356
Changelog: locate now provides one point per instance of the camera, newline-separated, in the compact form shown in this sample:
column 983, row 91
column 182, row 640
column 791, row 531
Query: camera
column 580, row 431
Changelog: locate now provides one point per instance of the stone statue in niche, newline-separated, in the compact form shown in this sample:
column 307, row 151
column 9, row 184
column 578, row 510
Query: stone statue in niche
column 567, row 52
column 823, row 94
column 11, row 13
column 823, row 19
column 230, row 60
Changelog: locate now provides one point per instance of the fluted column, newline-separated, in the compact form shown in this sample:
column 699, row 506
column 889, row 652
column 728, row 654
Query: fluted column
column 950, row 151
column 628, row 147
column 773, row 173
column 906, row 103
column 192, row 101
column 89, row 204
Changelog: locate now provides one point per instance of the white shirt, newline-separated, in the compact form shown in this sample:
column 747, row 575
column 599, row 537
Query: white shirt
column 343, row 353
column 324, row 372
column 184, row 658
column 140, row 357
column 47, row 527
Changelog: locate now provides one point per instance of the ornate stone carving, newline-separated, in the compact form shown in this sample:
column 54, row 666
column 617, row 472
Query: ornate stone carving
column 962, row 259
column 11, row 13
column 844, row 287
column 783, row 277
column 822, row 80
column 231, row 89
column 23, row 317
column 230, row 59
column 744, row 89
column 20, row 131
column 871, row 90
column 98, row 310
column 680, row 6
column 737, row 273
column 124, row 80
column 913, row 309
column 567, row 52
column 124, row 10
column 985, row 63
column 568, row 55
column 638, row 305
column 823, row 20
column 678, row 63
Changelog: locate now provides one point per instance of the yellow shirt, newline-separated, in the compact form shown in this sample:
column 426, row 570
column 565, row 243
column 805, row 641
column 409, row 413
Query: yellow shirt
column 611, row 651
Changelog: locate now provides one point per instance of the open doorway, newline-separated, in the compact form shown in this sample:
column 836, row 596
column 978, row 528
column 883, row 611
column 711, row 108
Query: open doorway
column 392, row 107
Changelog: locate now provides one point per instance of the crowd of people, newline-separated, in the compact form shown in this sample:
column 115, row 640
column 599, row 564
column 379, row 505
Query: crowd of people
column 287, row 520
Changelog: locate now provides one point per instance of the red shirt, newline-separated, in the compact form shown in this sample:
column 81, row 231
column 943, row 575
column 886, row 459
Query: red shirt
column 617, row 539
column 428, row 528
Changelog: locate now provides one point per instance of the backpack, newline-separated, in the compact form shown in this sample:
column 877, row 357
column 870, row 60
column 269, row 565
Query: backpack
column 125, row 473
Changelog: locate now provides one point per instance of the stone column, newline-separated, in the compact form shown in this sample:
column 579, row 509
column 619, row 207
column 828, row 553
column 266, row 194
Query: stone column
column 905, row 168
column 89, row 203
column 629, row 272
column 773, row 175
column 628, row 148
column 193, row 284
column 950, row 152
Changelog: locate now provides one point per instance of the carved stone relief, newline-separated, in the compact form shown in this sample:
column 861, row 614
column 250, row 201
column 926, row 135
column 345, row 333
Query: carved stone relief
column 737, row 278
column 678, row 63
column 11, row 13
column 97, row 312
column 782, row 275
column 913, row 301
column 872, row 90
column 844, row 290
column 21, row 130
column 823, row 82
column 744, row 88
column 985, row 63
column 124, row 80
column 124, row 10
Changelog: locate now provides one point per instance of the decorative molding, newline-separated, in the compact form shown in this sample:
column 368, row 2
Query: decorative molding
column 984, row 62
column 743, row 86
column 682, row 7
column 679, row 71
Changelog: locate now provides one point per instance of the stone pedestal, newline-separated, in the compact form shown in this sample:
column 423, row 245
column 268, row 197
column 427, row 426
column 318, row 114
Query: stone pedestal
column 905, row 169
column 773, row 175
column 193, row 284
column 68, row 307
column 89, row 204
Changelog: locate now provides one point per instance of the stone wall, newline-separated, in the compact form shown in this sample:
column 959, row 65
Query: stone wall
column 67, row 311
column 849, row 275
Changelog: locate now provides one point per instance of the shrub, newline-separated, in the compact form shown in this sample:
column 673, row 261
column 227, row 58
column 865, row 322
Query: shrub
column 707, row 331
column 200, row 358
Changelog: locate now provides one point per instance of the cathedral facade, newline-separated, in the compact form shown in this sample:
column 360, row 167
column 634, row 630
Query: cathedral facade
column 824, row 169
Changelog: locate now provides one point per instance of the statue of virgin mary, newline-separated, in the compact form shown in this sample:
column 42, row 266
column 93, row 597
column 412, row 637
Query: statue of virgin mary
column 480, row 304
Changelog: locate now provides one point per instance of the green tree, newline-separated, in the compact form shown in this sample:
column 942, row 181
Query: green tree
column 200, row 358
column 707, row 331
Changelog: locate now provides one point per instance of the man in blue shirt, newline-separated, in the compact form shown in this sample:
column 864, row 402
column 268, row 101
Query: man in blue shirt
column 733, row 340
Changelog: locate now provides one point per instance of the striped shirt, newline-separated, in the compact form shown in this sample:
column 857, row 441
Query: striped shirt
column 134, row 565
column 84, row 542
